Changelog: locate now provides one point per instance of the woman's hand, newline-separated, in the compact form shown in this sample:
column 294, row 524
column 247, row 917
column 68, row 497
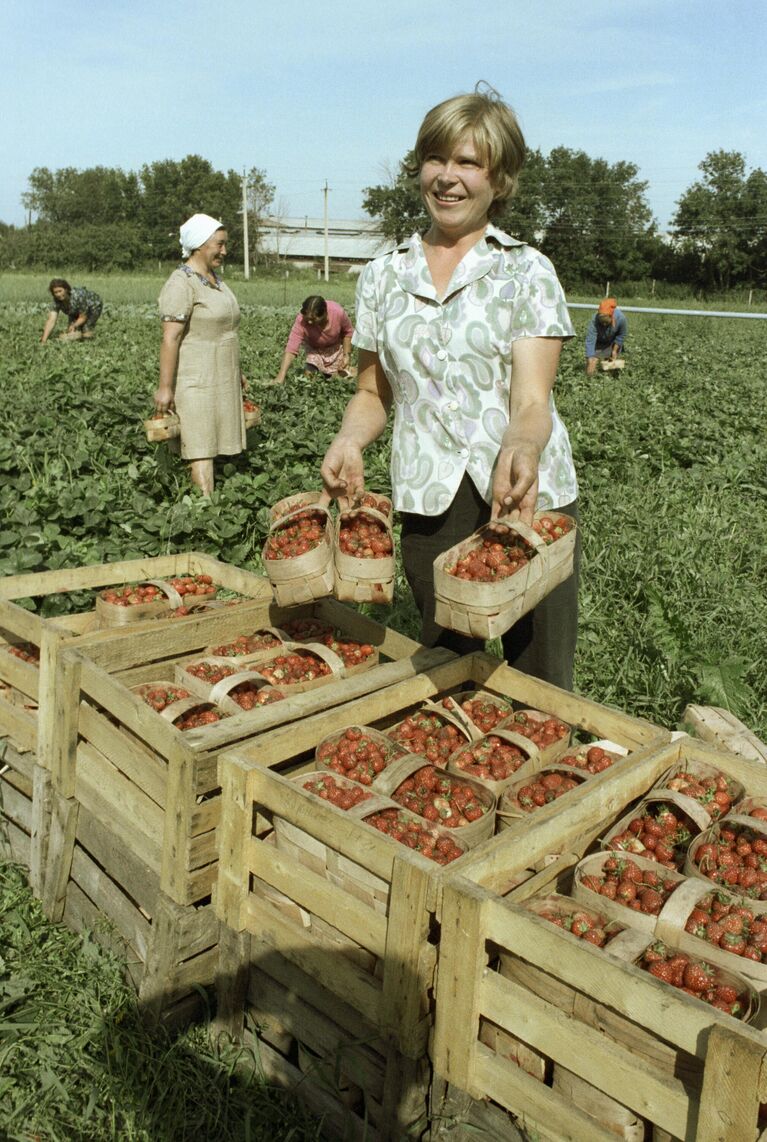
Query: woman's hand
column 515, row 482
column 343, row 472
column 243, row 383
column 163, row 400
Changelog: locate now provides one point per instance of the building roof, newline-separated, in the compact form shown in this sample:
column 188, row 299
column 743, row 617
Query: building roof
column 357, row 239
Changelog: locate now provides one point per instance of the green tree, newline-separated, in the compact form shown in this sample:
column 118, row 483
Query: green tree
column 172, row 190
column 71, row 197
column 722, row 220
column 260, row 196
column 588, row 215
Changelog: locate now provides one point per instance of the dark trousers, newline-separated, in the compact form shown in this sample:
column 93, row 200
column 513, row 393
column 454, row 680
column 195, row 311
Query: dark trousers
column 542, row 643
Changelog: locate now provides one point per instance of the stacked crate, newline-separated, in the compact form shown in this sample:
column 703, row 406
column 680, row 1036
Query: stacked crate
column 30, row 708
column 136, row 801
column 565, row 1040
column 311, row 965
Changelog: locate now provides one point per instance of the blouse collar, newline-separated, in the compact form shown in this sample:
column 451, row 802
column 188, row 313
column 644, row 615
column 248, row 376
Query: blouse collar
column 205, row 281
column 413, row 272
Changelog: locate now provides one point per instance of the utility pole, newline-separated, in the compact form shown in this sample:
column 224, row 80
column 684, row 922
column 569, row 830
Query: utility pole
column 327, row 262
column 246, row 251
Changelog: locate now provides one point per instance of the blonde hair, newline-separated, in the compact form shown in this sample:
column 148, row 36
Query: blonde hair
column 495, row 132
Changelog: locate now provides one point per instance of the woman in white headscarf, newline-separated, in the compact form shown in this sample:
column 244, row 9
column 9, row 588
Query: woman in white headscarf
column 200, row 373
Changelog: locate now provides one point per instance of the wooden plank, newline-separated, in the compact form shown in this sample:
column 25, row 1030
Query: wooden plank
column 232, row 973
column 175, row 825
column 301, row 707
column 288, row 1013
column 233, row 836
column 335, row 973
column 133, row 818
column 462, row 961
column 18, row 621
column 725, row 731
column 40, row 825
column 23, row 676
column 61, row 845
column 69, row 579
column 111, row 902
column 157, row 989
column 15, row 844
column 405, row 1002
column 539, row 1109
column 141, row 764
column 81, row 914
column 457, row 1117
column 602, row 720
column 405, row 1101
column 333, row 904
column 21, row 761
column 732, row 1080
column 300, row 988
column 121, row 864
column 15, row 804
column 339, row 1122
column 59, row 714
column 661, row 1098
column 625, row 988
column 19, row 726
column 200, row 972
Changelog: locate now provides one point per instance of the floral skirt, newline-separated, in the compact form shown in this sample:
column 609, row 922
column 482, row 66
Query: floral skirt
column 328, row 360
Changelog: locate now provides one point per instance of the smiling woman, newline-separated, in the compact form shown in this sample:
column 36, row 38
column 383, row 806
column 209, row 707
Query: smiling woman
column 200, row 355
column 461, row 330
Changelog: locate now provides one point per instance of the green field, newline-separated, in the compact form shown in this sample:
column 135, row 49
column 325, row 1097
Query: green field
column 672, row 461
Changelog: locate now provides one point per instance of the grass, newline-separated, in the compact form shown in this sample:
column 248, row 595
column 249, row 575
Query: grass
column 672, row 462
column 77, row 1063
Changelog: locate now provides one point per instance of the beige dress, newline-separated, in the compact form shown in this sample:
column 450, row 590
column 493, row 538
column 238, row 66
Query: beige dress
column 208, row 394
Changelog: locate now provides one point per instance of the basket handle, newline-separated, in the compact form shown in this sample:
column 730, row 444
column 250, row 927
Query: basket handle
column 170, row 592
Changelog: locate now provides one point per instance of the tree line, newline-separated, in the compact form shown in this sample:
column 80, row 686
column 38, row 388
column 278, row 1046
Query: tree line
column 592, row 219
column 589, row 216
column 104, row 218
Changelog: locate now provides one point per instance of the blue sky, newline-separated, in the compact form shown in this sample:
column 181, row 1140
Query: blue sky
column 313, row 91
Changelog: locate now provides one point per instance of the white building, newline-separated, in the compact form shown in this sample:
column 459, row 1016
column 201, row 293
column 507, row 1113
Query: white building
column 302, row 242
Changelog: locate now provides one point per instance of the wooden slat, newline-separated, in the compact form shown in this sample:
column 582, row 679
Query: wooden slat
column 615, row 1069
column 723, row 730
column 61, row 843
column 540, row 1109
column 133, row 818
column 19, row 725
column 111, row 901
column 334, row 972
column 625, row 988
column 234, row 833
column 175, row 826
column 23, row 676
column 142, row 765
column 121, row 864
column 405, row 1000
column 461, row 963
column 732, row 1080
column 317, row 895
column 42, row 793
column 96, row 575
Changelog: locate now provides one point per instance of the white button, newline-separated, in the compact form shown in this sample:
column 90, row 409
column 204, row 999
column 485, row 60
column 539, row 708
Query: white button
column 453, row 405
column 442, row 355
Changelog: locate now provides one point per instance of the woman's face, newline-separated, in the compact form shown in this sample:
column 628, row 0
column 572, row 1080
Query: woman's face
column 213, row 251
column 59, row 293
column 456, row 188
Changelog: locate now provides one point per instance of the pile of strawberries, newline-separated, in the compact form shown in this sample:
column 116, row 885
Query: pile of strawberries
column 594, row 760
column 210, row 672
column 541, row 731
column 250, row 695
column 697, row 978
column 364, row 537
column 622, row 880
column 735, row 857
column 485, row 713
column 428, row 735
column 492, row 559
column 435, row 795
column 357, row 755
column 542, row 790
column 585, row 925
column 158, row 697
column 723, row 921
column 340, row 794
column 660, row 833
column 490, row 759
column 247, row 644
column 405, row 829
column 713, row 792
column 200, row 716
column 304, row 532
column 187, row 585
column 298, row 666
column 550, row 528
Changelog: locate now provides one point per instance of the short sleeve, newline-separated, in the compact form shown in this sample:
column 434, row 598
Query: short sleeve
column 366, row 311
column 540, row 308
column 176, row 299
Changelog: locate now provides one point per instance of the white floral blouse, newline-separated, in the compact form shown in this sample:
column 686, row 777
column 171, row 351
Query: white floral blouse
column 449, row 365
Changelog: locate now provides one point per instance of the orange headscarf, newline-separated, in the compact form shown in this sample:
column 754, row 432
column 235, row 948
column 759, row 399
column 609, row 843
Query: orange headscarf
column 607, row 307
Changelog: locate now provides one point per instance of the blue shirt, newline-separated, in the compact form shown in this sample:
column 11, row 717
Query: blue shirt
column 599, row 336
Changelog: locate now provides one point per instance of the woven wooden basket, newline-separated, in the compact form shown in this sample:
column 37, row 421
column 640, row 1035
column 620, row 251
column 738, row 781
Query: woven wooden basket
column 364, row 580
column 306, row 577
column 486, row 610
column 164, row 427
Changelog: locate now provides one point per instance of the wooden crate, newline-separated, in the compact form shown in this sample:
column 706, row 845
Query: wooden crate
column 20, row 723
column 680, row 1065
column 25, row 803
column 724, row 730
column 280, row 916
